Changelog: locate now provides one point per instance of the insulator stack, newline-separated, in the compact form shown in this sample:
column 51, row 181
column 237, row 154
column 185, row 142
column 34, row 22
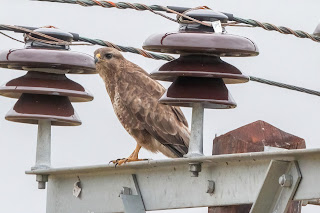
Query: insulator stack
column 44, row 93
column 199, row 75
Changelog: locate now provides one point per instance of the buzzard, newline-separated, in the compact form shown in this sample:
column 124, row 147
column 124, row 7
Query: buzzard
column 134, row 96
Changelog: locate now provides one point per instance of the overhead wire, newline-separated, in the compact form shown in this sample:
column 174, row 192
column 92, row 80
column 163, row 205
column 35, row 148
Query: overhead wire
column 11, row 37
column 286, row 86
column 170, row 9
column 280, row 29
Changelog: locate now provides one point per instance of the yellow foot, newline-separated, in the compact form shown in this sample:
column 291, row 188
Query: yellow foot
column 119, row 162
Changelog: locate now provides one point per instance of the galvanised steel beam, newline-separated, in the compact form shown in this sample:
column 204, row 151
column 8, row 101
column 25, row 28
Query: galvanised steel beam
column 280, row 184
column 167, row 184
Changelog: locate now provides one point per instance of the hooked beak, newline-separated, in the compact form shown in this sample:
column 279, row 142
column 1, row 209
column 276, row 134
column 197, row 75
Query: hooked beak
column 97, row 58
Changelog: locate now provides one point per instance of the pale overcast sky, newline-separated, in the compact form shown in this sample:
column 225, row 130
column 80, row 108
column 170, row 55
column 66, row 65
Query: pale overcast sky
column 101, row 138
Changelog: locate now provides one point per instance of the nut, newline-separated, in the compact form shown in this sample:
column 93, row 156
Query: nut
column 195, row 168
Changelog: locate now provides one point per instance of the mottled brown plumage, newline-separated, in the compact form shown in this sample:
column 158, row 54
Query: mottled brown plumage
column 134, row 96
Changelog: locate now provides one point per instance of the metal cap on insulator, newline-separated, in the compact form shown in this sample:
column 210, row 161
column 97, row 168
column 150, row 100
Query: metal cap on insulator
column 46, row 84
column 53, row 32
column 199, row 66
column 204, row 15
column 31, row 108
column 211, row 92
column 34, row 40
column 207, row 15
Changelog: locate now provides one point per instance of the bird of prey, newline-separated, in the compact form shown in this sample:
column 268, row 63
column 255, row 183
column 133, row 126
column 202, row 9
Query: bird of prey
column 134, row 96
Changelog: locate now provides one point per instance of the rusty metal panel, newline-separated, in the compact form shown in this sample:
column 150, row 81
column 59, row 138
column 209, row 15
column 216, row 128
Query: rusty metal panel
column 254, row 137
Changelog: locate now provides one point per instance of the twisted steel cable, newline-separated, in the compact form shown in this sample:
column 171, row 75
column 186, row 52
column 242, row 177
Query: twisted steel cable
column 118, row 5
column 153, row 8
column 280, row 29
column 153, row 56
column 286, row 86
column 110, row 4
column 12, row 37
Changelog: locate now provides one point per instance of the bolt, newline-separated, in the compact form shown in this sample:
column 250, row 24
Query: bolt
column 42, row 179
column 211, row 186
column 285, row 180
column 195, row 168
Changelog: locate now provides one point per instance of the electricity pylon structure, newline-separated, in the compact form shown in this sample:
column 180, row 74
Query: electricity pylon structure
column 269, row 180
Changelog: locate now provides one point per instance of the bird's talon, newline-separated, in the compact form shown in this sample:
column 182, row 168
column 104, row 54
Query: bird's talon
column 119, row 162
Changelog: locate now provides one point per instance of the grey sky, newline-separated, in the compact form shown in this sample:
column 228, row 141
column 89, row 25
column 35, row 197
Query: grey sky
column 101, row 138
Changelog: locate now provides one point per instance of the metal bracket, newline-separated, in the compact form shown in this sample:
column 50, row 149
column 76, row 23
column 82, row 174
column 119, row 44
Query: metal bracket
column 278, row 188
column 132, row 203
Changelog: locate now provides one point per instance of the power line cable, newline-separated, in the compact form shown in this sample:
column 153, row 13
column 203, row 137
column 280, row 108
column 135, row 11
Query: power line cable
column 174, row 9
column 286, row 86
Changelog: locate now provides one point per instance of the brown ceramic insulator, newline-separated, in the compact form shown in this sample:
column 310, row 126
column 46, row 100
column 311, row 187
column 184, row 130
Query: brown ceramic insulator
column 204, row 43
column 185, row 91
column 199, row 66
column 31, row 108
column 46, row 84
column 50, row 61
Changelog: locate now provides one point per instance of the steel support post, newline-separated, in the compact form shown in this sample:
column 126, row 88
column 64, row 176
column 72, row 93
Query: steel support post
column 196, row 139
column 43, row 153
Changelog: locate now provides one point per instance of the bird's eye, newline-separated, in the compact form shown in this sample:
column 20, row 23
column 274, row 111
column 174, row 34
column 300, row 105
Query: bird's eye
column 108, row 55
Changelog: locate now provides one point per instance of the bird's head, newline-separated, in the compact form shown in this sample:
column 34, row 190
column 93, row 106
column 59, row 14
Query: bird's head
column 107, row 59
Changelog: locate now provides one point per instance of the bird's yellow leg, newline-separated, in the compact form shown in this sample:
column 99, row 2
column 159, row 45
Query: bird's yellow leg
column 133, row 157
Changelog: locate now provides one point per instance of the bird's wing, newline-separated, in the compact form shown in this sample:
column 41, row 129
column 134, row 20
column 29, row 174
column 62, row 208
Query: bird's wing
column 140, row 94
column 180, row 115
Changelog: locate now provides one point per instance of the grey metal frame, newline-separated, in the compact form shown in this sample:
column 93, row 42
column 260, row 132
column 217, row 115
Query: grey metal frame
column 167, row 184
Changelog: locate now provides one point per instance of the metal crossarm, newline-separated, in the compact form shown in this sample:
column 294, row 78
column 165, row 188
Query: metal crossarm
column 167, row 184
